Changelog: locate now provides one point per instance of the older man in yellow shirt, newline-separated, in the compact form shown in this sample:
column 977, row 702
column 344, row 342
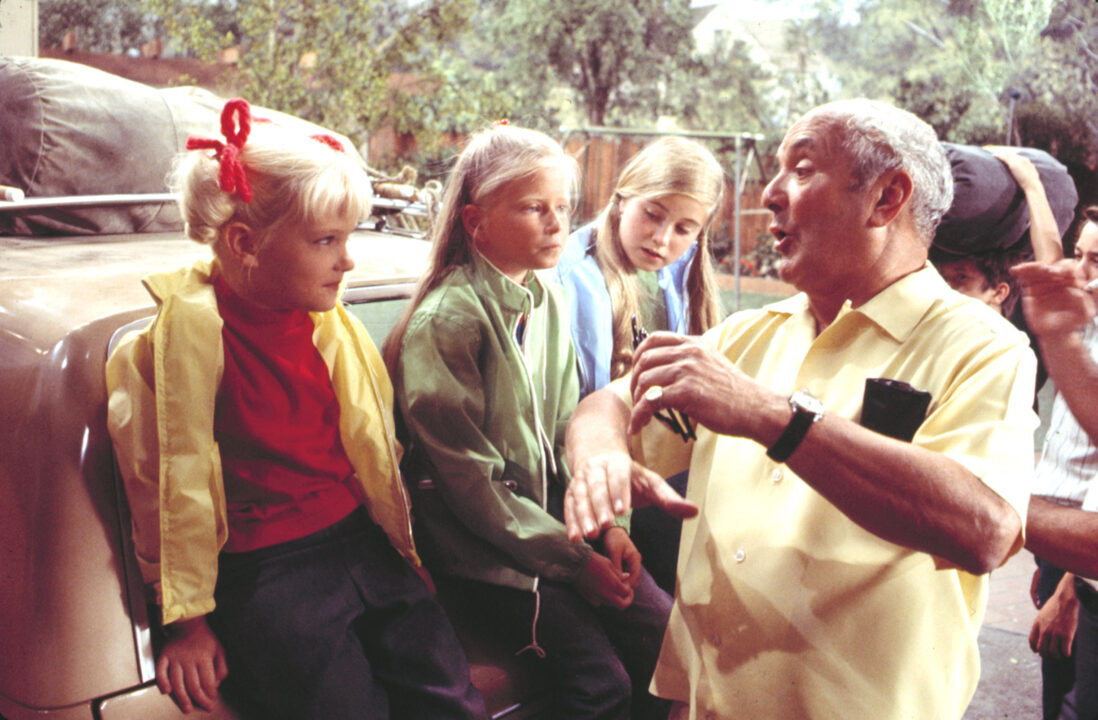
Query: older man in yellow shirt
column 862, row 458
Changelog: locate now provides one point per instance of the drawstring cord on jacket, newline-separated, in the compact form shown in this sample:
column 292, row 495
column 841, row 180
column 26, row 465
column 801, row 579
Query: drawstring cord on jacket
column 537, row 649
column 547, row 454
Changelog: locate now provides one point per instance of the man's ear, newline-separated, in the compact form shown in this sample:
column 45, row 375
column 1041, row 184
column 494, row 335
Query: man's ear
column 894, row 192
column 242, row 244
column 471, row 218
column 1001, row 292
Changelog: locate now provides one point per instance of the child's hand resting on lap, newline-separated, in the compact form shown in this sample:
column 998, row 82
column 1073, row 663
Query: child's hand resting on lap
column 192, row 665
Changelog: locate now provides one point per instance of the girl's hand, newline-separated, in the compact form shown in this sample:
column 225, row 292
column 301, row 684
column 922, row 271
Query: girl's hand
column 600, row 583
column 623, row 554
column 192, row 665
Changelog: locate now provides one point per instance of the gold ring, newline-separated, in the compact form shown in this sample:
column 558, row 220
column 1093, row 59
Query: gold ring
column 654, row 394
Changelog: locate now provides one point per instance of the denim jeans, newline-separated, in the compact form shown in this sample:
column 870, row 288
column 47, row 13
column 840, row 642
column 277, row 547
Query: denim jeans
column 338, row 625
column 600, row 659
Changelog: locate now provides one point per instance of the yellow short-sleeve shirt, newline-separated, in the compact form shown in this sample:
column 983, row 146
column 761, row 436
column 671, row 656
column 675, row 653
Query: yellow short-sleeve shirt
column 785, row 607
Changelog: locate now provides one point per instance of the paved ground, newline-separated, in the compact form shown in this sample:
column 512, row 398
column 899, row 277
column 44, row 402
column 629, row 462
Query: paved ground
column 1010, row 681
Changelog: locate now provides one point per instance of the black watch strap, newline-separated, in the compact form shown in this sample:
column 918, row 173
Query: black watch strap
column 793, row 434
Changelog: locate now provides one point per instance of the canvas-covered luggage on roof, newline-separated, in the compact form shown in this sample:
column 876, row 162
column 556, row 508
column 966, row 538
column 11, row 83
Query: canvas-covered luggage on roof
column 68, row 129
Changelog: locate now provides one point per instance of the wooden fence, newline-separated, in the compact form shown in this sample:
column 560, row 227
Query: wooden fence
column 601, row 157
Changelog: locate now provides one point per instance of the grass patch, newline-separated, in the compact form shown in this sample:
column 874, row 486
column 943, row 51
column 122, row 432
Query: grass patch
column 748, row 300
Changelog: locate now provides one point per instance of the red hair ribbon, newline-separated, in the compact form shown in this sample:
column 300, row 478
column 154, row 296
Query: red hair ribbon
column 329, row 140
column 236, row 125
column 504, row 121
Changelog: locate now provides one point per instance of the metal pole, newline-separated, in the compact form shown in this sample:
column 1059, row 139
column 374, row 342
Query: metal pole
column 736, row 219
column 1014, row 95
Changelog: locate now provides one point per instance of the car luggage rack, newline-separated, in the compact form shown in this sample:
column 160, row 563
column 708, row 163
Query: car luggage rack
column 402, row 217
column 54, row 201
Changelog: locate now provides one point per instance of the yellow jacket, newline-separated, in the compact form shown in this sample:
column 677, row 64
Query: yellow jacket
column 162, row 383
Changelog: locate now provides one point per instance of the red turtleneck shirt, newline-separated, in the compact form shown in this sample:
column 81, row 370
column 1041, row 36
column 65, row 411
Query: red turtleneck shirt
column 277, row 426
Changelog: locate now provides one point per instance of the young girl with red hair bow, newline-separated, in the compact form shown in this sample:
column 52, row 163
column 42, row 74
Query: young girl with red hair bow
column 253, row 424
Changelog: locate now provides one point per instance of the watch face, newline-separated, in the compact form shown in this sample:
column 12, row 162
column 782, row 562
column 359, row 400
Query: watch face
column 804, row 400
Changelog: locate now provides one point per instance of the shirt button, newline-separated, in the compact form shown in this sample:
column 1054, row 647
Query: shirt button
column 740, row 555
column 776, row 475
column 715, row 641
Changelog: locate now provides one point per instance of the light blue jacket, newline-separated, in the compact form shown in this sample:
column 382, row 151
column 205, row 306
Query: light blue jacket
column 590, row 309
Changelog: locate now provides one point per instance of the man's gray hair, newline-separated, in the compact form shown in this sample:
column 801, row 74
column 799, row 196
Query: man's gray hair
column 880, row 137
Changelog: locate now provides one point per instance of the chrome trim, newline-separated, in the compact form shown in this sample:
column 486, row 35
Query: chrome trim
column 135, row 586
column 86, row 200
column 389, row 205
column 390, row 288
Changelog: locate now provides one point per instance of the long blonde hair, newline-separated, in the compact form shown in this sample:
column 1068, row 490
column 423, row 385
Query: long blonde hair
column 669, row 166
column 492, row 158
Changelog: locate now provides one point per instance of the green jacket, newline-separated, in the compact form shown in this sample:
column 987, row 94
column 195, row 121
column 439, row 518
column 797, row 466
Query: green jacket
column 486, row 417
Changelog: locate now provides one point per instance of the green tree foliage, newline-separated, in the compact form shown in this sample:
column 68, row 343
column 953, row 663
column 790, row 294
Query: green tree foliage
column 353, row 66
column 196, row 28
column 100, row 25
column 1058, row 109
column 722, row 89
column 980, row 71
column 616, row 56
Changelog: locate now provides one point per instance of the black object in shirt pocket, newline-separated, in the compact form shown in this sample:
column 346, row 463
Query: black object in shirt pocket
column 893, row 408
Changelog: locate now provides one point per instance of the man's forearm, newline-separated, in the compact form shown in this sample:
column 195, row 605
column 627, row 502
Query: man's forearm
column 606, row 481
column 598, row 425
column 908, row 495
column 1067, row 537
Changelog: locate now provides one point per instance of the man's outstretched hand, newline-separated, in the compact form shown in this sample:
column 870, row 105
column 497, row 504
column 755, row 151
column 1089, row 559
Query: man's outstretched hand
column 607, row 485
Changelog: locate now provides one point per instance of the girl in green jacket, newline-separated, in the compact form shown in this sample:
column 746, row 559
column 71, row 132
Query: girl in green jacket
column 485, row 380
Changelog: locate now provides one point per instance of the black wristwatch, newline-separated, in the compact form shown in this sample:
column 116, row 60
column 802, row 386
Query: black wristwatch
column 807, row 409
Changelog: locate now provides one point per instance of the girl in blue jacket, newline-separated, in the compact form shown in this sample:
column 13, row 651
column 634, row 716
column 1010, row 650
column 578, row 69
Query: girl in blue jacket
column 646, row 256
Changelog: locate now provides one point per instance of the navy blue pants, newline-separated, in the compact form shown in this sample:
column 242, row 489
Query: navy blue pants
column 337, row 625
column 1057, row 674
column 600, row 659
column 1086, row 653
column 656, row 535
